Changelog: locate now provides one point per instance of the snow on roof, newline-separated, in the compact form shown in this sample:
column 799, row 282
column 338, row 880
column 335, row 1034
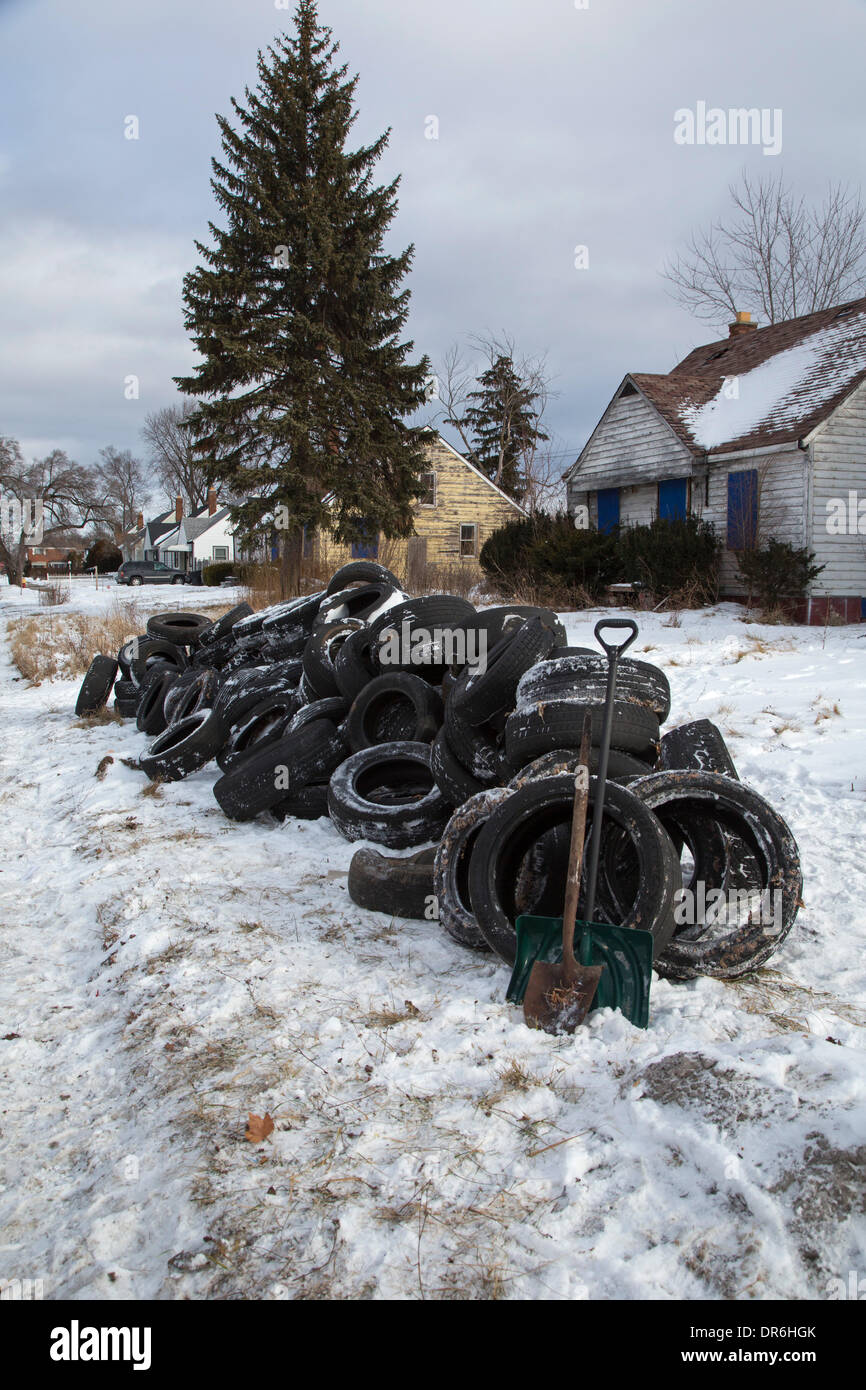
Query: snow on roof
column 780, row 392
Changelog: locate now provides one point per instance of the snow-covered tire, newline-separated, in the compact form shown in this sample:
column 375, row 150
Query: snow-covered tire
column 559, row 762
column 265, row 723
column 583, row 680
column 396, row 708
column 150, row 717
column 319, row 655
column 477, row 748
column 223, row 626
column 456, row 783
column 361, row 572
column 536, row 809
column 353, row 666
column 280, row 769
column 438, row 611
column 387, row 794
column 479, row 695
column 184, row 629
column 744, row 814
column 96, row 687
column 400, row 887
column 696, row 747
column 334, row 708
column 496, row 623
column 195, row 689
column 149, row 651
column 240, row 690
column 361, row 602
column 451, row 869
column 559, row 724
column 183, row 748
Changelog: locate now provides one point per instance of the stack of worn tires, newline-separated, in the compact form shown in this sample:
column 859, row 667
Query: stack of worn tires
column 422, row 724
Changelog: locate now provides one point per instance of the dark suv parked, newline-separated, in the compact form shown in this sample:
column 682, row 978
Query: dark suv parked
column 148, row 572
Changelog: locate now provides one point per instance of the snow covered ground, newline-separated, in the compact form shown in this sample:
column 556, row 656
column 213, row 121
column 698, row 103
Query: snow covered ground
column 164, row 972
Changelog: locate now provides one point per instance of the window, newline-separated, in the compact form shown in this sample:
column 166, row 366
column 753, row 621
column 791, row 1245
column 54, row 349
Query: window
column 468, row 538
column 427, row 494
column 220, row 552
column 367, row 547
column 608, row 509
column 742, row 509
column 673, row 500
column 307, row 551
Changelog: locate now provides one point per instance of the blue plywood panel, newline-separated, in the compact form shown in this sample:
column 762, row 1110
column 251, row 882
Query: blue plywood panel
column 608, row 509
column 742, row 509
column 673, row 499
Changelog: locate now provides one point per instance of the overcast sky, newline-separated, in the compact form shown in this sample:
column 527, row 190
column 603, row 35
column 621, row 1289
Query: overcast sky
column 556, row 129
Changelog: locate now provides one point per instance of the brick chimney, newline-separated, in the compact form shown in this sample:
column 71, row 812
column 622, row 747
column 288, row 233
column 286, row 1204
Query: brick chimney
column 742, row 324
column 178, row 510
column 211, row 501
column 139, row 521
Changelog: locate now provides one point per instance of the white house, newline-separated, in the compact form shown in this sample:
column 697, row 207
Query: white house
column 762, row 433
column 205, row 538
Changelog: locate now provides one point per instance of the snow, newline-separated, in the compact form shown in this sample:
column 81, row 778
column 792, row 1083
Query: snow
column 167, row 972
column 782, row 390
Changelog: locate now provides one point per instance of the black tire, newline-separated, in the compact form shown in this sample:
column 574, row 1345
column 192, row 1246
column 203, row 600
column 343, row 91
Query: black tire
column 540, row 807
column 287, row 645
column 320, row 652
column 265, row 723
column 195, row 689
column 479, row 695
column 150, row 717
column 398, row 887
column 310, row 803
column 335, row 708
column 496, row 623
column 476, row 748
column 279, row 770
column 353, row 667
column 361, row 572
column 96, row 687
column 454, row 781
column 223, row 626
column 696, row 747
column 126, row 706
column 183, row 748
column 744, row 814
column 559, row 724
column 127, row 653
column 396, row 708
column 443, row 611
column 387, row 794
column 451, row 869
column 363, row 602
column 583, row 679
column 184, row 629
column 294, row 613
column 152, row 651
column 135, row 581
column 561, row 761
column 240, row 691
column 127, row 690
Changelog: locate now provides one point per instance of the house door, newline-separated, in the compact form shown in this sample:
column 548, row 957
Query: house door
column 416, row 562
column 608, row 509
column 673, row 499
column 368, row 548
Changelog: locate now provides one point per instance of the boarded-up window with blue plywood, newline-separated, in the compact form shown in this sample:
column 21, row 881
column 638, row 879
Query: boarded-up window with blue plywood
column 742, row 509
column 608, row 509
column 673, row 499
column 367, row 547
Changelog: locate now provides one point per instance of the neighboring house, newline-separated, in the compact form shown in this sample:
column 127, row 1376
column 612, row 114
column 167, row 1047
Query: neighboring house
column 205, row 538
column 43, row 559
column 456, row 512
column 762, row 433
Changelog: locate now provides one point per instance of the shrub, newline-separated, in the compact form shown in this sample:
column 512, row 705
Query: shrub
column 776, row 571
column 103, row 556
column 673, row 557
column 551, row 553
column 216, row 573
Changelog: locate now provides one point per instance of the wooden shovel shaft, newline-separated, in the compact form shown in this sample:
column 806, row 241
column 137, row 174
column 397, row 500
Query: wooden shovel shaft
column 575, row 854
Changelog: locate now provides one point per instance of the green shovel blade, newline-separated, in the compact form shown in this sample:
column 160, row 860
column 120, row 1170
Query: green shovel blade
column 625, row 953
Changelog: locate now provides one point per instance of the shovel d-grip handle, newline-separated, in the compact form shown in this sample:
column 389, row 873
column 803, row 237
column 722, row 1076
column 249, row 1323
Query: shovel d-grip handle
column 613, row 652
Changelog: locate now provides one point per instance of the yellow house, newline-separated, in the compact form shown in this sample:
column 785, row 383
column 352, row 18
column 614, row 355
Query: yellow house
column 456, row 512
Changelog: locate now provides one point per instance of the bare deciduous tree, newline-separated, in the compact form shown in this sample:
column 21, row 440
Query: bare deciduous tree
column 124, row 484
column 42, row 499
column 177, row 467
column 775, row 253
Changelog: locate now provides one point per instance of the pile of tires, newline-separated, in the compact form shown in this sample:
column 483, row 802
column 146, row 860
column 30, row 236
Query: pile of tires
column 422, row 724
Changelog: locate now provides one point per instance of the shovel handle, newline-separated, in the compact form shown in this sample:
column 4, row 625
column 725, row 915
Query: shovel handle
column 615, row 648
column 575, row 853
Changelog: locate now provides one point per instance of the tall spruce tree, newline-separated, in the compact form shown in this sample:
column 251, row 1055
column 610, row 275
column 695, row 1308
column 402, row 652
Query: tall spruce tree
column 503, row 424
column 304, row 386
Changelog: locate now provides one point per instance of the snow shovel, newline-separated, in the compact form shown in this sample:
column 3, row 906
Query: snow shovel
column 558, row 995
column 625, row 953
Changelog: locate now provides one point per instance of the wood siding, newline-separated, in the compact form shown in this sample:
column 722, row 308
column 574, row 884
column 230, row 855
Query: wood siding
column 463, row 496
column 632, row 446
column 839, row 466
